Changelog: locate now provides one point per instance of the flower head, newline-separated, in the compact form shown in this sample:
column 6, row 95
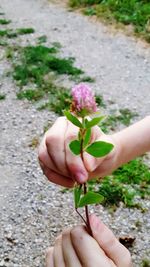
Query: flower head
column 83, row 100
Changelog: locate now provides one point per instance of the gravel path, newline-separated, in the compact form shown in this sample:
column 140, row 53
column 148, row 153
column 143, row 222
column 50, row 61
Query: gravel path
column 33, row 211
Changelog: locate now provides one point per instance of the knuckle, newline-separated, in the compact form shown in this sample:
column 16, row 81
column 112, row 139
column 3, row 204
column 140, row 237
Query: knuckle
column 76, row 232
column 52, row 140
column 58, row 240
column 70, row 137
column 66, row 233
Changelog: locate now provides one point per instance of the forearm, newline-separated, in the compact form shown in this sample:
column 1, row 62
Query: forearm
column 134, row 140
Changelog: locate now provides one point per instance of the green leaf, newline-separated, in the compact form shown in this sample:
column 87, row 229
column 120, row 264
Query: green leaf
column 77, row 195
column 94, row 121
column 87, row 137
column 73, row 119
column 99, row 149
column 75, row 147
column 90, row 198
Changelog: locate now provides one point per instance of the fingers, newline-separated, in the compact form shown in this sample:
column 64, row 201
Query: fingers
column 55, row 145
column 44, row 157
column 89, row 252
column 74, row 163
column 49, row 257
column 58, row 253
column 109, row 243
column 57, row 178
column 70, row 256
column 51, row 150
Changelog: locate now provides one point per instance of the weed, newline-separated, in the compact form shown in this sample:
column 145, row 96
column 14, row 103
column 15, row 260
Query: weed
column 87, row 79
column 4, row 21
column 89, row 11
column 127, row 184
column 30, row 94
column 2, row 96
column 47, row 126
column 100, row 101
column 138, row 224
column 58, row 101
column 145, row 263
column 34, row 64
column 22, row 31
column 37, row 61
column 124, row 117
column 42, row 39
column 135, row 12
column 10, row 33
column 3, row 43
column 34, row 142
column 3, row 33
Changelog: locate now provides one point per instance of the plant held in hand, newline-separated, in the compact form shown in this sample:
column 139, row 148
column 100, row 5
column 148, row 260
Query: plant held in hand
column 83, row 105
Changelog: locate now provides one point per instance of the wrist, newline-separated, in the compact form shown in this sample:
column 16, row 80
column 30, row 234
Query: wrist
column 120, row 150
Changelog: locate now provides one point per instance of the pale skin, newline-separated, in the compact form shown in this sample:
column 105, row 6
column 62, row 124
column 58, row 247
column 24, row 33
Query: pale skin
column 76, row 248
column 63, row 168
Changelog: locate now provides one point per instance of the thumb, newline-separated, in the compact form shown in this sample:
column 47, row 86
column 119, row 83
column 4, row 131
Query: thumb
column 109, row 243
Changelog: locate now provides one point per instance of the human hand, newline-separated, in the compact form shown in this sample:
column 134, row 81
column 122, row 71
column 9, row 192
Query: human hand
column 76, row 248
column 62, row 167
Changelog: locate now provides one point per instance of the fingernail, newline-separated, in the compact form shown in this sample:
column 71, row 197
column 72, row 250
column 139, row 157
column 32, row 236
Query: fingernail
column 81, row 177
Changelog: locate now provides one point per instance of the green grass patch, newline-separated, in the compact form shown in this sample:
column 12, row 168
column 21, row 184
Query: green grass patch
column 145, row 263
column 3, row 33
column 37, row 61
column 3, row 43
column 4, row 21
column 31, row 94
column 111, row 122
column 129, row 184
column 134, row 12
column 2, row 96
column 22, row 31
column 38, row 67
column 42, row 39
column 11, row 33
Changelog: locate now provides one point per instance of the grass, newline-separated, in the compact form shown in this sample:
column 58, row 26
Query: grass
column 10, row 33
column 3, row 33
column 34, row 142
column 129, row 184
column 2, row 96
column 4, row 21
column 22, row 31
column 124, row 117
column 42, row 39
column 38, row 67
column 37, row 61
column 134, row 12
column 145, row 263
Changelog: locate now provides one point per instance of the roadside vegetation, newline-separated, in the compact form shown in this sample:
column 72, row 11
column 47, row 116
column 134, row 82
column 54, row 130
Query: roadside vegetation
column 129, row 184
column 135, row 13
column 2, row 96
